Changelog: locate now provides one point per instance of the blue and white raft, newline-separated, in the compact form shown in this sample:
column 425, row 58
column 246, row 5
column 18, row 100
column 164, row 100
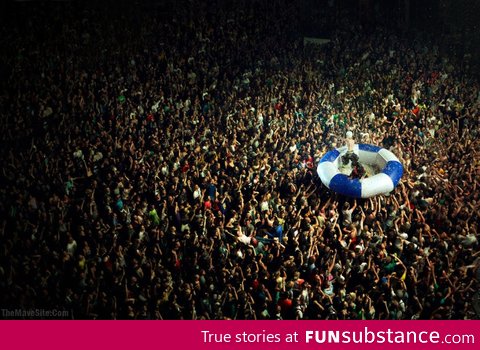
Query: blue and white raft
column 383, row 182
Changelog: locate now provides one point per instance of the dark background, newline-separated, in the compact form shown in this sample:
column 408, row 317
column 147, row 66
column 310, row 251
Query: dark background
column 453, row 24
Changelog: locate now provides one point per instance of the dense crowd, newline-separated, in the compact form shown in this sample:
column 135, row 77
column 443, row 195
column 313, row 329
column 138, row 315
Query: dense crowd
column 163, row 166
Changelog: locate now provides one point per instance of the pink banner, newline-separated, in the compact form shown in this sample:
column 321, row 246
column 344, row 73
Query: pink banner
column 240, row 335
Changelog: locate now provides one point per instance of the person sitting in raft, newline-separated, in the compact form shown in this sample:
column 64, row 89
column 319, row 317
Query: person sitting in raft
column 358, row 171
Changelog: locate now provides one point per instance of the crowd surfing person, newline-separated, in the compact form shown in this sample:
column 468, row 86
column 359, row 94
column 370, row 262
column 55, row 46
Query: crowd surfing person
column 351, row 159
column 165, row 169
column 349, row 155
